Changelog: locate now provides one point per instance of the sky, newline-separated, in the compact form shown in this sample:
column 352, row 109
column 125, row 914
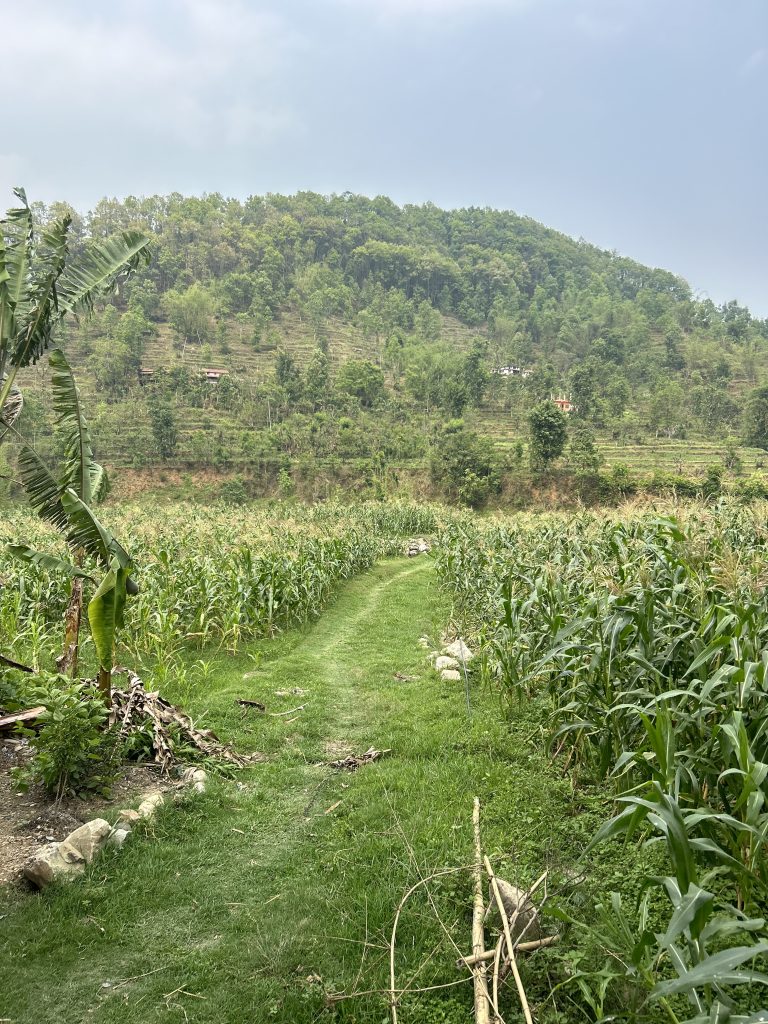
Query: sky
column 639, row 125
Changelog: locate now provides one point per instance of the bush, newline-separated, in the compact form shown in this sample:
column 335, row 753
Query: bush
column 73, row 749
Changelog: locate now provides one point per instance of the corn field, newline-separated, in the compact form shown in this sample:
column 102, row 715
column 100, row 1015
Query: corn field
column 644, row 635
column 217, row 576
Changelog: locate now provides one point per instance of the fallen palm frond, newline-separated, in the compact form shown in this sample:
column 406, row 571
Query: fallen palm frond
column 135, row 709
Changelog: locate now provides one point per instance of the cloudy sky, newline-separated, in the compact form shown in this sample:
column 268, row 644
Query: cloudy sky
column 640, row 125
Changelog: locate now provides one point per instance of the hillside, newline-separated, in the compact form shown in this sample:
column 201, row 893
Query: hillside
column 344, row 332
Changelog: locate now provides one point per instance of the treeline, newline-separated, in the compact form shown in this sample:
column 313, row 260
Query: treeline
column 631, row 346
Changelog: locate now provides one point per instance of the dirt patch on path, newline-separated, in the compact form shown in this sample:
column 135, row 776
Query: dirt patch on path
column 28, row 820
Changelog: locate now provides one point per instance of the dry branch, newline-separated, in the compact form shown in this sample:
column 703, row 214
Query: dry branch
column 134, row 709
column 355, row 761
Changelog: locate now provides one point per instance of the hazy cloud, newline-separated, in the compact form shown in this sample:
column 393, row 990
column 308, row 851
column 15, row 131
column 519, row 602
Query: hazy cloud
column 180, row 74
column 754, row 61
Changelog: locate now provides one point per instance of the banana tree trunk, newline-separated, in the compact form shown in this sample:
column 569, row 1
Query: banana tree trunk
column 67, row 663
column 105, row 685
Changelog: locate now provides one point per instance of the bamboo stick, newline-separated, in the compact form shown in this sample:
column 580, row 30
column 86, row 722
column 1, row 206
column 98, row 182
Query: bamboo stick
column 521, row 947
column 482, row 1012
column 510, row 945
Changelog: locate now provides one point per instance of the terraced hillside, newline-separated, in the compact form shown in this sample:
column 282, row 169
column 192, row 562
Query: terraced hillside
column 343, row 334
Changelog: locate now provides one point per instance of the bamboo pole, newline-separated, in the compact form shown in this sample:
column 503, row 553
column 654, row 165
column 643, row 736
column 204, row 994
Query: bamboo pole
column 510, row 945
column 482, row 1011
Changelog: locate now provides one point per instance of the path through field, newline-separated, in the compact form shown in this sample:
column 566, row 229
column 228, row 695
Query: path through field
column 276, row 890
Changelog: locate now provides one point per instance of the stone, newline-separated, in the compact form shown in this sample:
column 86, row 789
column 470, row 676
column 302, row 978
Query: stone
column 150, row 804
column 459, row 650
column 118, row 836
column 521, row 913
column 450, row 675
column 89, row 838
column 423, row 641
column 127, row 819
column 55, row 862
column 445, row 662
column 199, row 779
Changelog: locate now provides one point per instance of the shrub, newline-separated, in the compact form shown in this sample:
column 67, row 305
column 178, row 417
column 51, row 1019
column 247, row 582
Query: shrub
column 73, row 751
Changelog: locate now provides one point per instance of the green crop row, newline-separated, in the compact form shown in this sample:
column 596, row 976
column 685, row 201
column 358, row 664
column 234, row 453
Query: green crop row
column 645, row 636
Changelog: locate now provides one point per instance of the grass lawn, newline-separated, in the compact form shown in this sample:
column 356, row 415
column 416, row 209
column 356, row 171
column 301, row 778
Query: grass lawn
column 277, row 889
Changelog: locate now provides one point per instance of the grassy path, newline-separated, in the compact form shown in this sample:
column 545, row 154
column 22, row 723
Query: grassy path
column 274, row 890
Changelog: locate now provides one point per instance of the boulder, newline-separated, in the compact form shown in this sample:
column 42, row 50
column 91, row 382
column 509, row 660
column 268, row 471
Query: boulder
column 459, row 650
column 445, row 662
column 150, row 804
column 89, row 838
column 55, row 862
column 199, row 779
column 521, row 913
column 118, row 836
column 127, row 819
column 450, row 675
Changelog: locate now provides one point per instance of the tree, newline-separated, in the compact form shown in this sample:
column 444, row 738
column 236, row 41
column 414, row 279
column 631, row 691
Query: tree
column 756, row 418
column 288, row 376
column 191, row 313
column 583, row 454
column 164, row 429
column 66, row 501
column 361, row 379
column 464, row 465
column 40, row 286
column 549, row 432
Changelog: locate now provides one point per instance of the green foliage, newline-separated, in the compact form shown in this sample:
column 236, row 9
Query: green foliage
column 548, row 434
column 164, row 428
column 464, row 465
column 582, row 452
column 361, row 379
column 756, row 418
column 73, row 750
column 645, row 637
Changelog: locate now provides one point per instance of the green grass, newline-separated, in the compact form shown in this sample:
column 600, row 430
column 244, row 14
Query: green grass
column 252, row 903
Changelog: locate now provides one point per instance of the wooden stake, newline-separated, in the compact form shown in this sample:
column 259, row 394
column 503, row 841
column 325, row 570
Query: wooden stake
column 482, row 1012
column 510, row 946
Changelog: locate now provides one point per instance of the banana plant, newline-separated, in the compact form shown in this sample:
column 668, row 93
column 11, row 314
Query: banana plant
column 65, row 500
column 40, row 285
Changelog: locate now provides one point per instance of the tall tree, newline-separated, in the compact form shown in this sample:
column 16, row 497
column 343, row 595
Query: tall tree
column 549, row 432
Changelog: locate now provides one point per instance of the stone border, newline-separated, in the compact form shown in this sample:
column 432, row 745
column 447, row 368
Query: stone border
column 60, row 862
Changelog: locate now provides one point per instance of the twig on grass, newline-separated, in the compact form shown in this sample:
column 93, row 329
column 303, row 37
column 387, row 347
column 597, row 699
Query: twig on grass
column 137, row 977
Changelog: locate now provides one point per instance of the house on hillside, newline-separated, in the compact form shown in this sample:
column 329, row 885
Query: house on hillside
column 212, row 375
column 563, row 404
column 512, row 371
column 145, row 374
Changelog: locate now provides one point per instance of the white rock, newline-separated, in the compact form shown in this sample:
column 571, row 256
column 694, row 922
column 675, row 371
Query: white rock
column 89, row 838
column 450, row 675
column 424, row 642
column 459, row 650
column 127, row 819
column 521, row 913
column 199, row 780
column 118, row 836
column 150, row 804
column 55, row 862
column 445, row 662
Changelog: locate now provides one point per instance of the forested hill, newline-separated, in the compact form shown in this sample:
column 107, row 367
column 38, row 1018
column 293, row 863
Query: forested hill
column 352, row 329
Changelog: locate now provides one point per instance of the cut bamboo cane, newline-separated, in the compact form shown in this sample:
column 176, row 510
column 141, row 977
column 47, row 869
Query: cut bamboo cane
column 482, row 1010
column 510, row 946
column 521, row 947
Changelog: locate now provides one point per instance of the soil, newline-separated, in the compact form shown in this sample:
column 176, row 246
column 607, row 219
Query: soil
column 31, row 819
